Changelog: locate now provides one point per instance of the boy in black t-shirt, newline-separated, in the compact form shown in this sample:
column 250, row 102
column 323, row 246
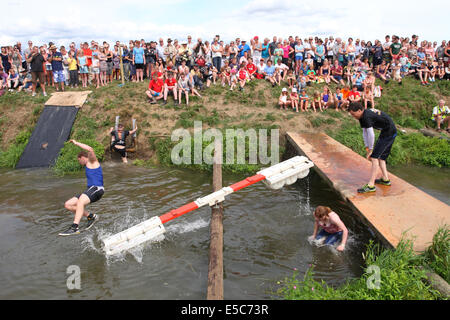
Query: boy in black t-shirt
column 370, row 119
column 118, row 140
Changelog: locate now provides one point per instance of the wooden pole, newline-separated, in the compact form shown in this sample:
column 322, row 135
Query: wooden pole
column 215, row 268
column 121, row 65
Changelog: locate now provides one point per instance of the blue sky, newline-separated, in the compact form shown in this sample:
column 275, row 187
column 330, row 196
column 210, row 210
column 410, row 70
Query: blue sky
column 63, row 21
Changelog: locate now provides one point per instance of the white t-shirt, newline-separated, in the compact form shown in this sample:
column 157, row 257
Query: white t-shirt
column 217, row 53
column 261, row 67
column 160, row 50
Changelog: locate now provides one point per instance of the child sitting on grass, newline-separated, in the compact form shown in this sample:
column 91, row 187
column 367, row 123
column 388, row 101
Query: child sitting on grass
column 294, row 99
column 304, row 100
column 317, row 102
column 284, row 100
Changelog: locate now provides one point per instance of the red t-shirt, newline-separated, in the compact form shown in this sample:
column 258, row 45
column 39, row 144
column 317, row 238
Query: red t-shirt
column 171, row 82
column 88, row 52
column 354, row 94
column 251, row 68
column 156, row 85
column 242, row 74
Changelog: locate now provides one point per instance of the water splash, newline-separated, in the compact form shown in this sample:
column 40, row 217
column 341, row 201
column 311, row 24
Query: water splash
column 187, row 226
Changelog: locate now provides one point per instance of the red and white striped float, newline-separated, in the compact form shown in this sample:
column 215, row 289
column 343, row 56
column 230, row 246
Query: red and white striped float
column 275, row 177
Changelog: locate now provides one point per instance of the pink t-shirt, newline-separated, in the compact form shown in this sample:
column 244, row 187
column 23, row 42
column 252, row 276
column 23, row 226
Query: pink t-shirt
column 286, row 51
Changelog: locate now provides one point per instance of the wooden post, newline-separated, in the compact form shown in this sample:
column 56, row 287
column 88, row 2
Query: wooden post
column 215, row 268
column 121, row 65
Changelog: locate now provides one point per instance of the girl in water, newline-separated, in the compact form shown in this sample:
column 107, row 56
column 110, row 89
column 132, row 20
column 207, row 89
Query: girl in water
column 332, row 228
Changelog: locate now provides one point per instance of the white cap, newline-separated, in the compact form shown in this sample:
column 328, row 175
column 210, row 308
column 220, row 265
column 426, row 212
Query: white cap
column 284, row 89
column 294, row 89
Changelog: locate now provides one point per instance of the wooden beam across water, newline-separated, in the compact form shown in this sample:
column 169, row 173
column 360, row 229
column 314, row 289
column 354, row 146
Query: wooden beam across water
column 390, row 211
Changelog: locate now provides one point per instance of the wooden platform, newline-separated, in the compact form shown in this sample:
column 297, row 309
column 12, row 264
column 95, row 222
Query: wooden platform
column 68, row 99
column 390, row 211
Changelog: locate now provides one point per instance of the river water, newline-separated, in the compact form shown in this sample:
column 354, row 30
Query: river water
column 265, row 236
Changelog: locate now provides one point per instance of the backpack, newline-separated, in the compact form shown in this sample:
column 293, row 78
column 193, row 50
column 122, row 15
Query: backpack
column 377, row 92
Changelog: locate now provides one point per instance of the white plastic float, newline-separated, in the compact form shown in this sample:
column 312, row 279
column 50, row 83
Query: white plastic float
column 274, row 177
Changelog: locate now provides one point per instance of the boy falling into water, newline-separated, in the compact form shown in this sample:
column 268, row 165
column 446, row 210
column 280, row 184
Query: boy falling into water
column 93, row 193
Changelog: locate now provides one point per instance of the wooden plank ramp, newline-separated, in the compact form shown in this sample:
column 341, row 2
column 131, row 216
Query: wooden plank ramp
column 391, row 210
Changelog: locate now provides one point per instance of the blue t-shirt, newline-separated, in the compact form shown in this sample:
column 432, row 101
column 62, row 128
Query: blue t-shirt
column 299, row 47
column 57, row 63
column 269, row 70
column 320, row 49
column 360, row 80
column 138, row 55
column 244, row 48
column 265, row 51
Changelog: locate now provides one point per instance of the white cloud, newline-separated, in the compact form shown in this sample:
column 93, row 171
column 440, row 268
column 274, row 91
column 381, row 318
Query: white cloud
column 83, row 20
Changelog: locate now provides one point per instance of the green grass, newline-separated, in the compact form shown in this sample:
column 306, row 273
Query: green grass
column 84, row 131
column 407, row 148
column 437, row 255
column 164, row 147
column 400, row 274
column 10, row 157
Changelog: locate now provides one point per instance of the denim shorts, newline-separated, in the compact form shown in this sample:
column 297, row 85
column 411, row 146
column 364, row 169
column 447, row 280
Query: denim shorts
column 330, row 238
column 58, row 76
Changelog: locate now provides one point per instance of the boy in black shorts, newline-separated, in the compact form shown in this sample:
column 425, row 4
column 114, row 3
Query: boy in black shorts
column 93, row 193
column 369, row 119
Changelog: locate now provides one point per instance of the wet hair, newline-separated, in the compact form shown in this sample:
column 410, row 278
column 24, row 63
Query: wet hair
column 355, row 106
column 321, row 212
column 82, row 154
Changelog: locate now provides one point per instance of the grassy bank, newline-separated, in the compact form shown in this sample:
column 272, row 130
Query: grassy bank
column 401, row 276
column 412, row 148
column 410, row 105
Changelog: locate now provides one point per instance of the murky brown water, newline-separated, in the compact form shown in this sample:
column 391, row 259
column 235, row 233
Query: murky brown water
column 265, row 236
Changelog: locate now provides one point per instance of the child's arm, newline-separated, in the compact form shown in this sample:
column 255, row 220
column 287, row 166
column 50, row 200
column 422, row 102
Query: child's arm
column 316, row 228
column 337, row 221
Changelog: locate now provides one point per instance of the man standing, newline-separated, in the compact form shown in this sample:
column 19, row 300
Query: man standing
column 36, row 61
column 56, row 60
column 369, row 119
column 160, row 50
column 272, row 46
column 394, row 49
column 93, row 193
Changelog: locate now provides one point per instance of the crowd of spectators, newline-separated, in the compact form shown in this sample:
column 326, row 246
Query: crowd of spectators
column 185, row 68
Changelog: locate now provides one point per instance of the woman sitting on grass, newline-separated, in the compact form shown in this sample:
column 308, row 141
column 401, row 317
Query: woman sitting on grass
column 382, row 71
column 325, row 71
column 327, row 98
column 332, row 228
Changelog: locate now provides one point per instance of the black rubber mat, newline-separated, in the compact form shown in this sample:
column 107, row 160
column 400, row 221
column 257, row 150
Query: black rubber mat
column 51, row 131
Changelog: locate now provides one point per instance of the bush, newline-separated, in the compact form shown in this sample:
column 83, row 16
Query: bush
column 67, row 161
column 10, row 157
